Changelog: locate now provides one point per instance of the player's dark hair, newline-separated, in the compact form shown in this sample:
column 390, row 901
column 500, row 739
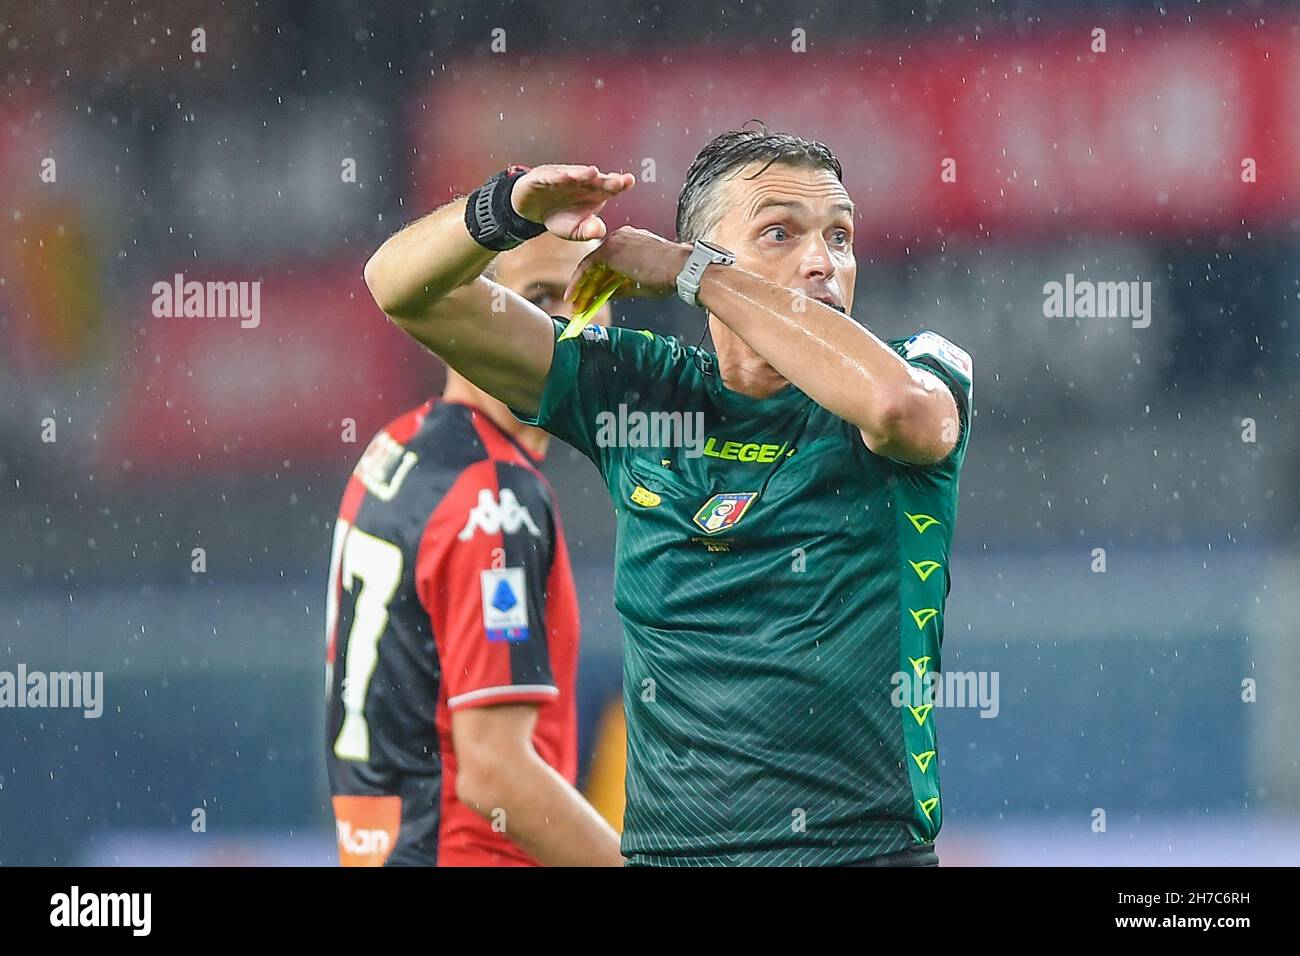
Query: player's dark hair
column 697, row 208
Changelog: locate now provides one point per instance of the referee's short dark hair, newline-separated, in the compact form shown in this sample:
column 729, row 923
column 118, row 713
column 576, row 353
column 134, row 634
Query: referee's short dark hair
column 698, row 207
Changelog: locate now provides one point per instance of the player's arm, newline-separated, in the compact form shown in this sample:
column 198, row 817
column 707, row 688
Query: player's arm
column 502, row 778
column 428, row 279
column 902, row 411
column 482, row 573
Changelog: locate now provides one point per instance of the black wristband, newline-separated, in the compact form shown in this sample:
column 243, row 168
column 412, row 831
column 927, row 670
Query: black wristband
column 490, row 217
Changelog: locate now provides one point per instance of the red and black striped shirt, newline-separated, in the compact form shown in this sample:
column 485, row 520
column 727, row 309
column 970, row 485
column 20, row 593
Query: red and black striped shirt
column 450, row 587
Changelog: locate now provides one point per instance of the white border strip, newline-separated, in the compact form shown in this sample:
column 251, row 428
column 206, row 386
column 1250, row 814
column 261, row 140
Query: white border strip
column 502, row 691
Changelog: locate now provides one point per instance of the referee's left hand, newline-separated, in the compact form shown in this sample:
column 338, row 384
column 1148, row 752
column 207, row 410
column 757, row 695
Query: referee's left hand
column 635, row 262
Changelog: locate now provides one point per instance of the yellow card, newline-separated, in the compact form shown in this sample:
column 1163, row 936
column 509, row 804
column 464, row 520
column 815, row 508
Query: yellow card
column 581, row 320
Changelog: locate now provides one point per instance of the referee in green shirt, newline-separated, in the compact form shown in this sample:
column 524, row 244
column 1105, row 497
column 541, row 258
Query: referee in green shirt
column 785, row 506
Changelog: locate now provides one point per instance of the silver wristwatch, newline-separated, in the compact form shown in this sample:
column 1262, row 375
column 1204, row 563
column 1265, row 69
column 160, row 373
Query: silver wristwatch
column 704, row 255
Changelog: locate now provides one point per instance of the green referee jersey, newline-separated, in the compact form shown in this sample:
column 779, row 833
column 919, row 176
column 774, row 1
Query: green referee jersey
column 773, row 576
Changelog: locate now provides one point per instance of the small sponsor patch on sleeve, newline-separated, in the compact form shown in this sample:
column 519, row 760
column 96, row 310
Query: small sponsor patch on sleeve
column 596, row 333
column 932, row 343
column 505, row 604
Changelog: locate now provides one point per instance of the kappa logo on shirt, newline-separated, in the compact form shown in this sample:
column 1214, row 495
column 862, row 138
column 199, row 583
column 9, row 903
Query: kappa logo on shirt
column 504, row 515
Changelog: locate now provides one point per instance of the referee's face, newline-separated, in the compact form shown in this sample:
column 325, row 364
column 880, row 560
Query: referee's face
column 794, row 226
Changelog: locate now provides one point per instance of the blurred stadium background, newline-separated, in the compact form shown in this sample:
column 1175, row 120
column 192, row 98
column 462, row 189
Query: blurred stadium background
column 1120, row 690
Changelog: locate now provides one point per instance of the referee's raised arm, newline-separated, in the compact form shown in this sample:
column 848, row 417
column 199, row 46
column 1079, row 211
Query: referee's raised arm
column 428, row 277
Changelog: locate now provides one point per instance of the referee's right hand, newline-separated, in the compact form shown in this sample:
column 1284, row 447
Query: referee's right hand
column 567, row 199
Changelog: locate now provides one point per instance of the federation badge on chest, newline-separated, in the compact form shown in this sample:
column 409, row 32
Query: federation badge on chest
column 724, row 511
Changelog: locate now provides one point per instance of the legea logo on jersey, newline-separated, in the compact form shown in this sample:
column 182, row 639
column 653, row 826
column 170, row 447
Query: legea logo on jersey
column 747, row 451
column 494, row 514
column 724, row 511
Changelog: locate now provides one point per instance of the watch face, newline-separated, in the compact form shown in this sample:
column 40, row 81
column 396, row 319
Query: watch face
column 714, row 247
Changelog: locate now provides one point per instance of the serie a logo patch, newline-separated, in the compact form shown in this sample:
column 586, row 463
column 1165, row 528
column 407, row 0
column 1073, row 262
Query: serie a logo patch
column 724, row 511
column 505, row 604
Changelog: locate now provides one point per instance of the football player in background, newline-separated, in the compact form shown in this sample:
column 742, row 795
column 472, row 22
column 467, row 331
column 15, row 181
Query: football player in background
column 452, row 632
